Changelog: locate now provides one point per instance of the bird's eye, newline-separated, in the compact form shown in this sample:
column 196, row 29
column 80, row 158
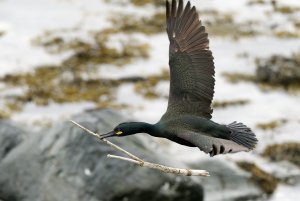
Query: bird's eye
column 118, row 132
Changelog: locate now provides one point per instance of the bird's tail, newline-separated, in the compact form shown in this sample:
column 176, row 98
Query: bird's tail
column 242, row 135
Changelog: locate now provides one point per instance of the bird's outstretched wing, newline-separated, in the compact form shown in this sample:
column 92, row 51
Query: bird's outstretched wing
column 191, row 63
column 212, row 145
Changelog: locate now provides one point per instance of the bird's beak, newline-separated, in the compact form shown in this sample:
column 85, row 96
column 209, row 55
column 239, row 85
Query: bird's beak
column 110, row 134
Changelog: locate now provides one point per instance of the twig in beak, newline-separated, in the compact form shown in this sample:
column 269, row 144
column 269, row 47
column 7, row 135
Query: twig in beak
column 136, row 160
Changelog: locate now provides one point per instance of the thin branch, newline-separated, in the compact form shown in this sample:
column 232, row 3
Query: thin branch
column 136, row 160
column 107, row 142
column 163, row 168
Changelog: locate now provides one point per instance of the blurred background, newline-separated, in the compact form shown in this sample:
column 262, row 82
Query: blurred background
column 59, row 58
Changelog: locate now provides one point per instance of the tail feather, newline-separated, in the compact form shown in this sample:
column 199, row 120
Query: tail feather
column 242, row 135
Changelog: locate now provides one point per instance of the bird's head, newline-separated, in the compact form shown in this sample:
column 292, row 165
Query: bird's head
column 127, row 128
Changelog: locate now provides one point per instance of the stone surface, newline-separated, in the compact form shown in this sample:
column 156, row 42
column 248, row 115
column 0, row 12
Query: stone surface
column 10, row 136
column 227, row 182
column 64, row 163
column 279, row 70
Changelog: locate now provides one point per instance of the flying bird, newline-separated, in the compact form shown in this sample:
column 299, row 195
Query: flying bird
column 187, row 120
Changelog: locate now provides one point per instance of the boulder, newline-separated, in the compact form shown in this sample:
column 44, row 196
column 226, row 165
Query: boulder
column 227, row 181
column 10, row 136
column 64, row 163
column 279, row 70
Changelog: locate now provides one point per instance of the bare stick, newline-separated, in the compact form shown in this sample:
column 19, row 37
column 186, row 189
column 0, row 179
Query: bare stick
column 163, row 168
column 107, row 142
column 136, row 160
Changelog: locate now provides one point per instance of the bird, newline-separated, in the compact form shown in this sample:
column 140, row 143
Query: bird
column 187, row 120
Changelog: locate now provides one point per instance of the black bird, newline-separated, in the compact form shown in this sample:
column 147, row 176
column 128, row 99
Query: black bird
column 187, row 119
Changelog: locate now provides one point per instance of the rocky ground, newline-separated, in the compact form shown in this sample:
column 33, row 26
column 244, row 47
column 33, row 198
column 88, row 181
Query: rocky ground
column 64, row 163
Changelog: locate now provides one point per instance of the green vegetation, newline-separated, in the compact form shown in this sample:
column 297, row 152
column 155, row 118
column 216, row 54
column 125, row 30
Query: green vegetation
column 157, row 3
column 267, row 182
column 73, row 80
column 145, row 2
column 283, row 152
column 131, row 24
column 256, row 2
column 286, row 34
column 272, row 125
column 147, row 88
column 2, row 33
column 223, row 25
column 224, row 104
column 238, row 77
column 286, row 9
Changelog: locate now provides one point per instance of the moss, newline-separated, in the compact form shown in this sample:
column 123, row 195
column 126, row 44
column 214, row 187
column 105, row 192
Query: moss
column 145, row 2
column 286, row 34
column 147, row 88
column 297, row 24
column 283, row 152
column 285, row 9
column 42, row 123
column 9, row 108
column 4, row 114
column 131, row 24
column 237, row 77
column 271, row 125
column 223, row 25
column 256, row 2
column 224, row 104
column 267, row 182
column 64, row 82
column 2, row 33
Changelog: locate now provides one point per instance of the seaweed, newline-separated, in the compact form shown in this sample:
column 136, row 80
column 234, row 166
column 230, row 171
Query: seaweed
column 131, row 24
column 145, row 2
column 271, row 125
column 146, row 88
column 283, row 152
column 2, row 33
column 267, row 182
column 228, row 103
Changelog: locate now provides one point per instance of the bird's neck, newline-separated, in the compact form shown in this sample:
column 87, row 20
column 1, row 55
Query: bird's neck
column 142, row 127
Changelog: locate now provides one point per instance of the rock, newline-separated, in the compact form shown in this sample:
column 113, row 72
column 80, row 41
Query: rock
column 64, row 163
column 227, row 182
column 279, row 70
column 10, row 136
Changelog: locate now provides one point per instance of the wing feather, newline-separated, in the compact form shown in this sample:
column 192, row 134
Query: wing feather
column 191, row 62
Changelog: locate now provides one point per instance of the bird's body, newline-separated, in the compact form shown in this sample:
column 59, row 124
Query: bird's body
column 187, row 120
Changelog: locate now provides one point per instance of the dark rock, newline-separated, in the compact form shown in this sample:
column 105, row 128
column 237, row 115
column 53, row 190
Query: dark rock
column 64, row 163
column 227, row 182
column 279, row 70
column 10, row 136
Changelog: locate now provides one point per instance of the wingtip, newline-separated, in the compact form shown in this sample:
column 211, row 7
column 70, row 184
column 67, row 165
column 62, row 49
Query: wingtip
column 167, row 9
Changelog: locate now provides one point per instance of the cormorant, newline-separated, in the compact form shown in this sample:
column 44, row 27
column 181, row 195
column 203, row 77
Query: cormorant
column 187, row 120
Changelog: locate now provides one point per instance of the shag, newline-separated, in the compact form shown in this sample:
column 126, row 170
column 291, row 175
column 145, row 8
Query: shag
column 187, row 119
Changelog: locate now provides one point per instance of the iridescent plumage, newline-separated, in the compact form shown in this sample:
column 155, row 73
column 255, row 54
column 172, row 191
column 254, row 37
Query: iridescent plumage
column 187, row 119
